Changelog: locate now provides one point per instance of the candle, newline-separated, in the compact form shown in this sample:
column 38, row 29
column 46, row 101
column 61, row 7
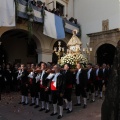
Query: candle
column 90, row 49
column 67, row 50
column 59, row 42
column 63, row 49
column 83, row 49
column 55, row 49
column 59, row 48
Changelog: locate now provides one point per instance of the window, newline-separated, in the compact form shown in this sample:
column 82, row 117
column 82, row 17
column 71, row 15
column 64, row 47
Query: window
column 60, row 7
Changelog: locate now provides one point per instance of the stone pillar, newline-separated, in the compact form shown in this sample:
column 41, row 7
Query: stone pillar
column 44, row 55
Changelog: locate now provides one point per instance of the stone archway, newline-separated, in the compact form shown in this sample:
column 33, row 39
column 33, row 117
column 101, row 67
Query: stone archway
column 105, row 54
column 100, row 38
column 18, row 47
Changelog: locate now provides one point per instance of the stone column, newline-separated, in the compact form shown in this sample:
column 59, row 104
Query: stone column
column 44, row 55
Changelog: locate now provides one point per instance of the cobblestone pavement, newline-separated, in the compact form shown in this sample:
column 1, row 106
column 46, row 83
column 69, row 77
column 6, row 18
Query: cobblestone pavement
column 11, row 110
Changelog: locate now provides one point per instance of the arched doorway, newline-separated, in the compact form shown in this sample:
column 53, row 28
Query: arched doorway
column 54, row 55
column 105, row 54
column 18, row 48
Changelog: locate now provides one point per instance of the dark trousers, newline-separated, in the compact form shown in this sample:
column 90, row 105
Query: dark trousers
column 24, row 90
column 79, row 90
column 56, row 98
column 37, row 90
column 68, row 94
column 90, row 87
column 42, row 94
column 47, row 96
column 32, row 90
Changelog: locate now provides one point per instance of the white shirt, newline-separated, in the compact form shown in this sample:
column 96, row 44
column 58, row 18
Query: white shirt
column 50, row 76
column 88, row 73
column 77, row 76
column 55, row 79
column 103, row 70
column 41, row 77
column 97, row 72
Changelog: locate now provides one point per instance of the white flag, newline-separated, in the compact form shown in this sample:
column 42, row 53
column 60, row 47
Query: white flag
column 53, row 26
column 7, row 13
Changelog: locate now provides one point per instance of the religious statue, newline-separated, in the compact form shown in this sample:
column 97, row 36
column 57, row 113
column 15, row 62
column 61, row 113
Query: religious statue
column 75, row 43
column 111, row 106
column 74, row 53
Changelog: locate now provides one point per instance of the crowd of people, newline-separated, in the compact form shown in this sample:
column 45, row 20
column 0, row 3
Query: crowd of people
column 50, row 83
column 55, row 11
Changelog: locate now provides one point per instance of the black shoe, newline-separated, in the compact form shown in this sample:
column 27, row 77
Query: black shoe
column 69, row 111
column 88, row 99
column 32, row 104
column 21, row 102
column 25, row 104
column 37, row 106
column 77, row 104
column 84, row 106
column 65, row 109
column 59, row 116
column 42, row 109
column 52, row 114
column 92, row 101
column 100, row 97
column 47, row 111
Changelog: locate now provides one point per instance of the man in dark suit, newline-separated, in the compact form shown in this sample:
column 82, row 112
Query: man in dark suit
column 57, row 86
column 80, row 85
column 105, row 75
column 68, row 75
column 90, row 81
column 23, row 77
column 98, row 80
column 43, row 77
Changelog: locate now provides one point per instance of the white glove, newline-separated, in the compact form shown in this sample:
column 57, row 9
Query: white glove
column 50, row 76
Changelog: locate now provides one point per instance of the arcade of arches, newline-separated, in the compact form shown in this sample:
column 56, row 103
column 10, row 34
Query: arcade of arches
column 15, row 46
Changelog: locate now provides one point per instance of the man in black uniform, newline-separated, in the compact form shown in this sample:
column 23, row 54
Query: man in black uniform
column 43, row 77
column 23, row 77
column 68, row 75
column 57, row 86
column 80, row 85
column 8, row 78
column 91, row 82
column 32, row 84
column 105, row 75
column 98, row 80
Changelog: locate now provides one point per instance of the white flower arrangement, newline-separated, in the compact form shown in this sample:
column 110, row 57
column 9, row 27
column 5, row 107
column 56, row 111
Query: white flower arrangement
column 73, row 59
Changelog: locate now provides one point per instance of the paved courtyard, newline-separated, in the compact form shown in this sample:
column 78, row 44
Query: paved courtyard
column 11, row 110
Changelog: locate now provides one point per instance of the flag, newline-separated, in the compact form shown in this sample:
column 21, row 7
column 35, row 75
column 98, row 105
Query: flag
column 53, row 26
column 37, row 14
column 69, row 27
column 22, row 4
column 7, row 13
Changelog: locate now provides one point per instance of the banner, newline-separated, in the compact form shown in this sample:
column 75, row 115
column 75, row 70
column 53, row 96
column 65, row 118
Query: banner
column 22, row 9
column 53, row 26
column 7, row 13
